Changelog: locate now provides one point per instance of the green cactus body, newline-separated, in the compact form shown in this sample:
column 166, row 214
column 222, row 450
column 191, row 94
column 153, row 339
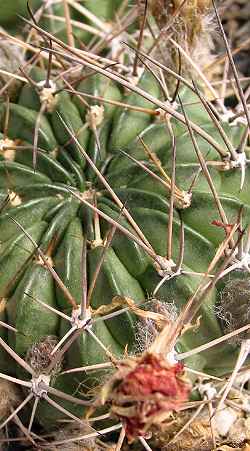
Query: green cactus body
column 52, row 216
column 10, row 11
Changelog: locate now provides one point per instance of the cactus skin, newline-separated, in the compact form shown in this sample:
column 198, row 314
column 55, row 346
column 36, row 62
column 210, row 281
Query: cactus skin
column 61, row 226
column 10, row 10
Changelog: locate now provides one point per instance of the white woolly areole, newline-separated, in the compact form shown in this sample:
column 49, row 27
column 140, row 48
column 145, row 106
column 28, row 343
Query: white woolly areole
column 225, row 117
column 52, row 85
column 95, row 116
column 187, row 197
column 77, row 321
column 171, row 357
column 243, row 263
column 8, row 154
column 48, row 94
column 240, row 161
column 240, row 113
column 242, row 379
column 3, row 303
column 246, row 405
column 166, row 264
column 208, row 390
column 224, row 420
column 96, row 243
column 229, row 115
column 15, row 200
column 40, row 385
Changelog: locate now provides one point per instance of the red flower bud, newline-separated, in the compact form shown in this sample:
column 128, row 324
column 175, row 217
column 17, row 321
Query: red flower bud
column 147, row 394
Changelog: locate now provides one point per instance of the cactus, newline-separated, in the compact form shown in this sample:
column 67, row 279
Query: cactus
column 119, row 204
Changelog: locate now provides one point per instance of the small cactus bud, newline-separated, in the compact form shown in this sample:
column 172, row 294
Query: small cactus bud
column 145, row 392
